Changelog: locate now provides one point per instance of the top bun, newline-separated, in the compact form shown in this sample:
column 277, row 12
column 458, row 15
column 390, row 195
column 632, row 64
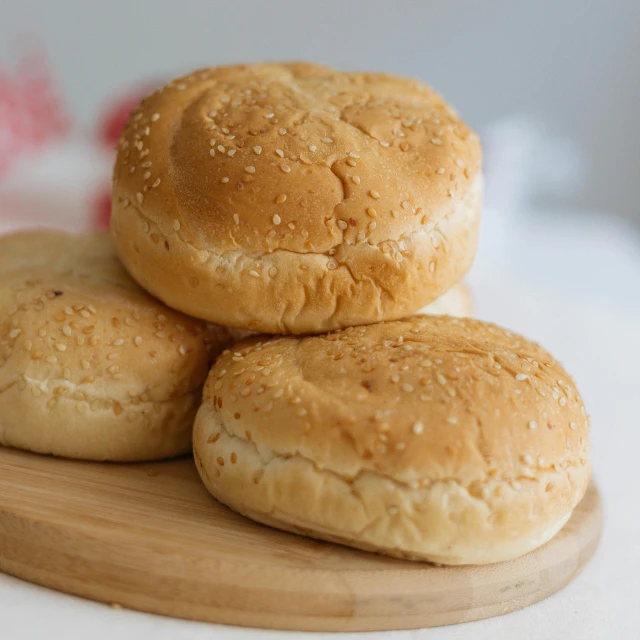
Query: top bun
column 292, row 198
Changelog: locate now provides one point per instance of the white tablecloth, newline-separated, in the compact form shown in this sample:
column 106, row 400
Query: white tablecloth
column 572, row 284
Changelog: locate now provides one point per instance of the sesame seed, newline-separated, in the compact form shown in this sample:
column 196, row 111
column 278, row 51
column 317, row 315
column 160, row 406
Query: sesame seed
column 51, row 359
column 221, row 148
column 440, row 170
column 282, row 131
column 436, row 141
column 254, row 273
column 212, row 152
column 521, row 376
column 406, row 387
column 280, row 153
column 312, row 147
column 541, row 461
column 156, row 182
column 14, row 333
column 527, row 459
column 257, row 150
column 139, row 197
column 452, row 420
column 351, row 162
column 394, row 213
column 236, row 218
column 269, row 115
column 432, row 266
column 533, row 424
column 155, row 117
column 374, row 194
column 61, row 346
column 342, row 224
column 573, row 426
column 285, row 167
column 276, row 219
column 28, row 345
column 332, row 264
column 563, row 401
column 137, row 341
column 406, row 204
column 85, row 364
column 371, row 212
column 327, row 140
column 417, row 428
column 281, row 198
column 176, row 225
column 113, row 369
column 224, row 180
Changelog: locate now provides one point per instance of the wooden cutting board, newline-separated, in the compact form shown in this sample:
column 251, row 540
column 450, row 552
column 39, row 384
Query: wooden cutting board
column 149, row 537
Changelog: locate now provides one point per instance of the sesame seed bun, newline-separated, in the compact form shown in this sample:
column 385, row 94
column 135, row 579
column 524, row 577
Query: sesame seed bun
column 91, row 366
column 436, row 438
column 292, row 198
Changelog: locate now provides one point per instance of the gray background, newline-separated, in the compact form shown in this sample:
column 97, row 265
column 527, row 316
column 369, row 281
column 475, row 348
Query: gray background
column 573, row 64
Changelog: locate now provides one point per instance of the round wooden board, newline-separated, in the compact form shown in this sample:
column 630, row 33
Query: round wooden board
column 149, row 537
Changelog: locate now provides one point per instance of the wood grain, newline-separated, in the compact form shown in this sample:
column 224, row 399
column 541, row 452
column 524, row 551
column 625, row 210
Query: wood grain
column 149, row 537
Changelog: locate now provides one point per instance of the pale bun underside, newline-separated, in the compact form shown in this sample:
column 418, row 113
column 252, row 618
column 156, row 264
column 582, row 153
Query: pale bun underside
column 430, row 438
column 455, row 302
column 331, row 199
column 91, row 366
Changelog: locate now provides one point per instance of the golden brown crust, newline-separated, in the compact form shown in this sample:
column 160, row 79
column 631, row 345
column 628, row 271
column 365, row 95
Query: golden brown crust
column 433, row 437
column 90, row 365
column 294, row 198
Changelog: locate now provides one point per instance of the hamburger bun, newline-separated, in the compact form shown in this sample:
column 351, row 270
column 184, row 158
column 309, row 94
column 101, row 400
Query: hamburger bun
column 292, row 198
column 91, row 366
column 433, row 438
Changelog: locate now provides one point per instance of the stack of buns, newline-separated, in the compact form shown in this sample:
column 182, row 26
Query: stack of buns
column 301, row 227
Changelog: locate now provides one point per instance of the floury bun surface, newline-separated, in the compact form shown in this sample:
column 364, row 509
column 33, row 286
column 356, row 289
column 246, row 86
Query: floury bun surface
column 293, row 198
column 91, row 366
column 450, row 440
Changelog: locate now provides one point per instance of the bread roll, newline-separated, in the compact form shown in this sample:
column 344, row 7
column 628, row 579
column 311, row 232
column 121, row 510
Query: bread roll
column 292, row 198
column 435, row 438
column 91, row 366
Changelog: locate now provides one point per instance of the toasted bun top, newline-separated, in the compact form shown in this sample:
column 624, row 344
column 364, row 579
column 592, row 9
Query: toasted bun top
column 426, row 397
column 294, row 157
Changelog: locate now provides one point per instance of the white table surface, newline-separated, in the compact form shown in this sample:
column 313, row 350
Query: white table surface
column 572, row 284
